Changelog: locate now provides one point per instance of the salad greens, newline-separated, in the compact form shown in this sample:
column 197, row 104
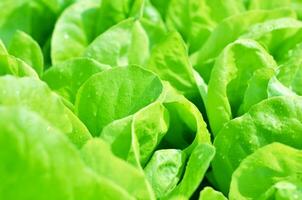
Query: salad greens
column 151, row 99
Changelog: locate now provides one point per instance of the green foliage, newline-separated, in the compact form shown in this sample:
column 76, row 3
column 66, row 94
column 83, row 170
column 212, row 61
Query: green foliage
column 276, row 166
column 209, row 193
column 150, row 99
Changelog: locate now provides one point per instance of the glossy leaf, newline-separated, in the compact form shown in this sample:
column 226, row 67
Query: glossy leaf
column 277, row 119
column 164, row 170
column 229, row 79
column 36, row 96
column 124, row 44
column 290, row 70
column 170, row 61
column 37, row 155
column 131, row 88
column 14, row 66
column 97, row 154
column 67, row 77
column 74, row 31
column 134, row 138
column 24, row 47
column 209, row 193
column 227, row 32
column 187, row 126
column 198, row 163
column 195, row 19
column 114, row 11
column 36, row 18
column 276, row 166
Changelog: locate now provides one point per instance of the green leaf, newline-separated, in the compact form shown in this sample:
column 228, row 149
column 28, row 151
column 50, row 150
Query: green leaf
column 27, row 49
column 119, row 135
column 175, row 123
column 97, row 154
column 283, row 190
column 276, row 88
column 277, row 119
column 296, row 5
column 37, row 155
column 115, row 94
column 134, row 138
column 150, row 124
column 277, row 35
column 257, row 89
column 290, row 72
column 14, row 66
column 268, row 4
column 36, row 96
column 230, row 77
column 36, row 18
column 156, row 33
column 196, row 167
column 276, row 166
column 164, row 170
column 74, row 31
column 161, row 6
column 209, row 193
column 169, row 60
column 124, row 44
column 228, row 31
column 3, row 49
column 187, row 127
column 195, row 19
column 114, row 11
column 152, row 14
column 67, row 77
column 57, row 6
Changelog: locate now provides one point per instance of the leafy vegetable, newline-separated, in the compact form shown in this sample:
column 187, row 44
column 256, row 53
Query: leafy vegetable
column 209, row 193
column 96, row 104
column 36, row 18
column 36, row 96
column 274, row 120
column 150, row 99
column 67, row 77
column 73, row 31
column 15, row 66
column 198, row 162
column 228, row 31
column 230, row 77
column 196, row 19
column 25, row 48
column 164, row 170
column 277, row 167
column 97, row 155
column 172, row 52
column 121, row 45
column 37, row 155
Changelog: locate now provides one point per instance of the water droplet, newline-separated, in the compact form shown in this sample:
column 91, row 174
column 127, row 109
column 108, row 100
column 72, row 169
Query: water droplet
column 66, row 36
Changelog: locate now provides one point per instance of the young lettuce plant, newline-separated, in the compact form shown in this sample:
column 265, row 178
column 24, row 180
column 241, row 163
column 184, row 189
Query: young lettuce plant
column 118, row 115
column 149, row 116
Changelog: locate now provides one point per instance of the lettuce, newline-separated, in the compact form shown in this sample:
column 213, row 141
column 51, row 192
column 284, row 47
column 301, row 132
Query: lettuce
column 150, row 99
